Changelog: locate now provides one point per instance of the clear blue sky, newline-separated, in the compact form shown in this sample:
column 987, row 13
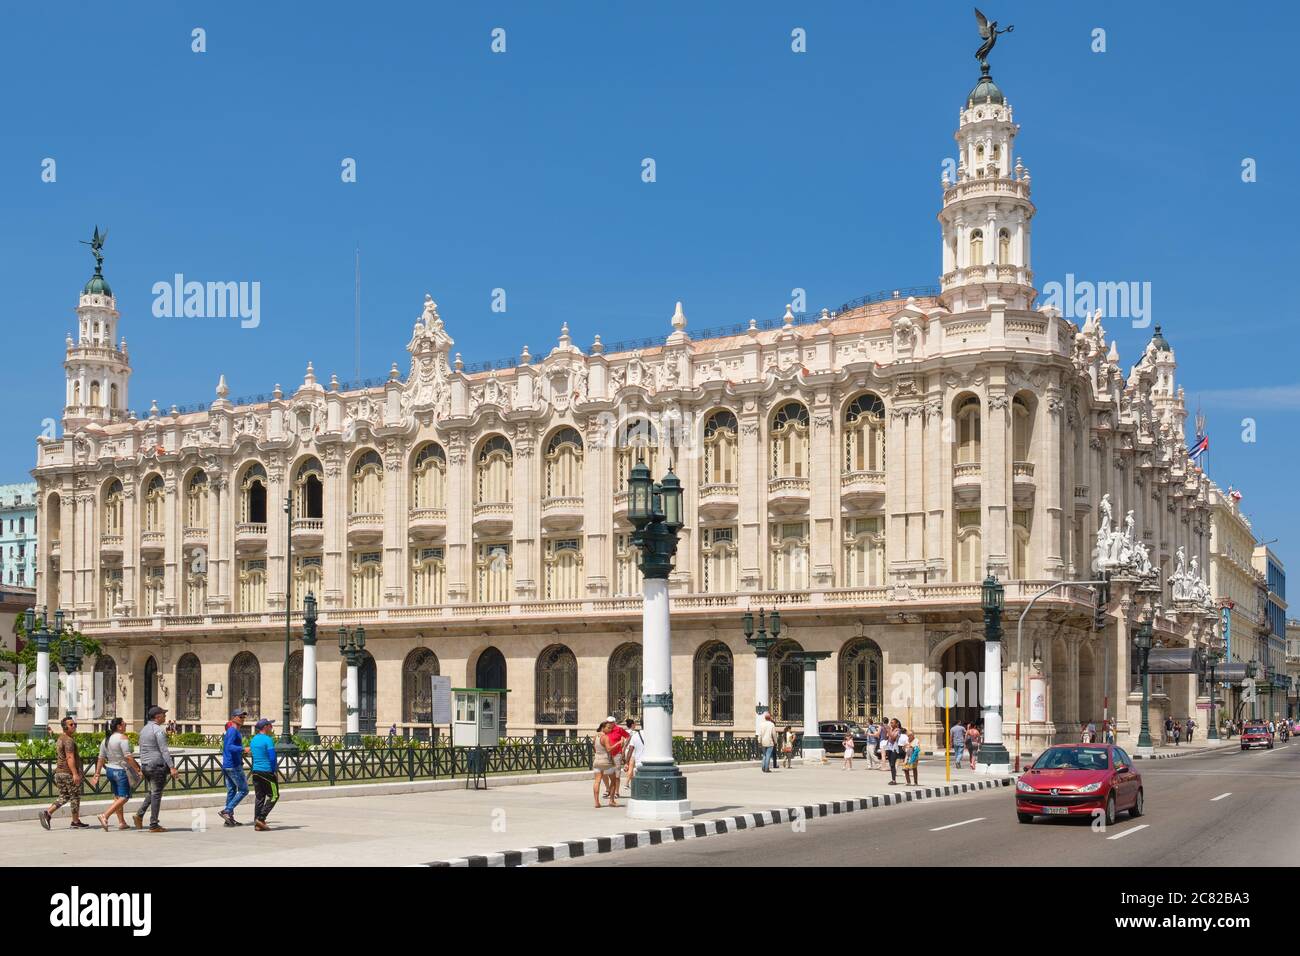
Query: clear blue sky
column 523, row 171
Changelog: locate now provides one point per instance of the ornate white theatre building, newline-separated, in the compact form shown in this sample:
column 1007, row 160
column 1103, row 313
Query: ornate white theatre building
column 860, row 472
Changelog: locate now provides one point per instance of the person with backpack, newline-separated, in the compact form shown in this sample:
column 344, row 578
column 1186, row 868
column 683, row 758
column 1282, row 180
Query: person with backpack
column 232, row 766
column 265, row 783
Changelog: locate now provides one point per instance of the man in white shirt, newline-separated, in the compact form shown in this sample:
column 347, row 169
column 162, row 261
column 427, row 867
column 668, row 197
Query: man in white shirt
column 635, row 749
column 767, row 741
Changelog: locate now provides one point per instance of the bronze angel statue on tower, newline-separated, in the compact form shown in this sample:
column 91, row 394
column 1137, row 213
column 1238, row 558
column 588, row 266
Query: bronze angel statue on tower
column 96, row 243
column 990, row 32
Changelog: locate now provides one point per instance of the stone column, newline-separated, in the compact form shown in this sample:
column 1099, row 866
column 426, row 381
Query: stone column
column 824, row 472
column 995, row 469
column 460, row 504
column 334, row 549
column 752, row 546
column 396, row 547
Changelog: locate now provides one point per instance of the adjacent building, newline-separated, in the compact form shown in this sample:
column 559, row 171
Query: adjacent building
column 18, row 535
column 1272, row 631
column 860, row 470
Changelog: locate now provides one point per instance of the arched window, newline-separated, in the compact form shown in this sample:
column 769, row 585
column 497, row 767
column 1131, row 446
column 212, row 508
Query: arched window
column 309, row 490
column 557, row 686
column 864, row 434
column 495, row 471
column 150, row 684
column 295, row 689
column 112, row 396
column 189, row 688
column 1004, row 247
column 636, row 440
column 194, row 577
column 968, row 431
column 714, row 684
column 245, row 683
column 789, row 440
column 308, row 578
column 196, row 501
column 417, row 686
column 785, row 682
column 562, row 565
column 490, row 673
column 368, row 693
column 252, row 584
column 719, row 449
column 252, row 496
column 113, row 508
column 94, row 394
column 429, row 477
column 1020, row 522
column 861, row 672
column 428, row 576
column 718, row 559
column 155, row 498
column 564, row 465
column 1022, row 429
column 76, row 393
column 105, row 689
column 968, row 547
column 368, row 484
column 625, row 682
column 977, row 247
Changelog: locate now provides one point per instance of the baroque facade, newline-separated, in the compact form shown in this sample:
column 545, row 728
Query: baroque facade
column 860, row 471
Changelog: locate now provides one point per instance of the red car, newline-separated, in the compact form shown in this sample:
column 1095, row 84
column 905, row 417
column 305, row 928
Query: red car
column 1077, row 780
column 1256, row 735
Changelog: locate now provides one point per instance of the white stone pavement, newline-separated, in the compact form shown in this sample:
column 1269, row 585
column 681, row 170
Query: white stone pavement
column 402, row 829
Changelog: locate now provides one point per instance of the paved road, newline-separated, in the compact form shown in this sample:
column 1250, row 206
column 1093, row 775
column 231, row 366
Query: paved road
column 1184, row 825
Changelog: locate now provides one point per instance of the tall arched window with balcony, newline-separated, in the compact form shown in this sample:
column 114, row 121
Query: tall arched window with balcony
column 76, row 393
column 113, row 509
column 196, row 501
column 968, row 553
column 564, row 465
column 557, row 686
column 864, row 434
column 429, row 477
column 428, row 576
column 977, row 247
column 495, row 472
column 789, row 441
column 252, row 495
column 309, row 490
column 968, row 431
column 718, row 560
column 368, row 484
column 94, row 394
column 636, row 440
column 719, row 449
column 112, row 396
column 155, row 500
column 1004, row 247
column 1022, row 430
column 562, row 564
column 714, row 684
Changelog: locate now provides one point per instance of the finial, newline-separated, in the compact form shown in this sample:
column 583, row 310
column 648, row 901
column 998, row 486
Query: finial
column 222, row 389
column 310, row 377
column 679, row 318
column 122, row 347
column 431, row 312
column 526, row 358
column 175, row 411
column 597, row 348
column 334, row 382
column 825, row 317
column 153, row 408
column 68, row 340
column 458, row 363
column 788, row 319
column 564, row 335
column 753, row 327
column 393, row 373
column 276, row 393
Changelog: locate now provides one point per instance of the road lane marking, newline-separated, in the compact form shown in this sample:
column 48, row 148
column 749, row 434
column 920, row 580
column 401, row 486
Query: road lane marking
column 1121, row 835
column 951, row 825
column 1220, row 796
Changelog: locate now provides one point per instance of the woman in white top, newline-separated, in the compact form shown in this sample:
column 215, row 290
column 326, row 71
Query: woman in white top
column 115, row 754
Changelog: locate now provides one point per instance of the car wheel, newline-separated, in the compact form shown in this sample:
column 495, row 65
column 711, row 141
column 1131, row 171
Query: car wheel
column 1110, row 810
column 1138, row 805
column 1024, row 817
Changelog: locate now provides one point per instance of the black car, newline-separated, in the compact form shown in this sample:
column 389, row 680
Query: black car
column 833, row 731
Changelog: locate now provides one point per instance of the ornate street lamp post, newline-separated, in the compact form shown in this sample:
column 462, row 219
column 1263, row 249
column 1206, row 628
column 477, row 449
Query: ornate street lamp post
column 993, row 756
column 308, row 730
column 761, row 645
column 43, row 637
column 1142, row 641
column 655, row 510
column 284, row 743
column 71, row 653
column 1213, row 660
column 352, row 645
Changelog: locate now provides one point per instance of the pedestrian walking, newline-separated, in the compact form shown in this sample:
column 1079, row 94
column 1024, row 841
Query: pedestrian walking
column 67, row 777
column 617, row 741
column 787, row 746
column 957, row 741
column 1084, row 737
column 392, row 732
column 882, row 753
column 601, row 762
column 912, row 761
column 902, row 747
column 265, row 783
column 972, row 742
column 1191, row 725
column 635, row 749
column 1178, row 733
column 767, row 742
column 123, row 771
column 891, row 744
column 1169, row 730
column 232, row 766
column 848, row 751
column 156, row 763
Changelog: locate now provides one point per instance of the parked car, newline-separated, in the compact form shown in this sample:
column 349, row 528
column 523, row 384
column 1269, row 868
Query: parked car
column 1256, row 734
column 1077, row 780
column 833, row 731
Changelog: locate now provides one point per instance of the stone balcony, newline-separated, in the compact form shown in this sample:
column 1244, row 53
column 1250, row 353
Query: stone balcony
column 967, row 480
column 562, row 512
column 426, row 523
column 366, row 527
column 110, row 546
column 718, row 500
column 862, row 489
column 152, row 544
column 493, row 517
column 250, row 536
column 194, row 536
column 1082, row 499
column 308, row 532
column 1022, row 483
column 788, row 496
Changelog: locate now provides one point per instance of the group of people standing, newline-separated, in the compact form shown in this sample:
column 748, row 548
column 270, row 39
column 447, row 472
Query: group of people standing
column 965, row 739
column 615, row 748
column 770, row 739
column 1176, row 731
column 152, row 765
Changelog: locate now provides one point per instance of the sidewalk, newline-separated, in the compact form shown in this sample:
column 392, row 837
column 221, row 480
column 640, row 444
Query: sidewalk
column 404, row 829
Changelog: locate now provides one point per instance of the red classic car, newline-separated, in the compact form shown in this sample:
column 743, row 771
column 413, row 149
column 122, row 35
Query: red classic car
column 1077, row 780
column 1256, row 735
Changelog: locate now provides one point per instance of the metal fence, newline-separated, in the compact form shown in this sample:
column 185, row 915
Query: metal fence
column 34, row 779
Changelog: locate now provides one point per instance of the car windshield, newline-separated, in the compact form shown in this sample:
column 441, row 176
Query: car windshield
column 1256, row 729
column 1072, row 758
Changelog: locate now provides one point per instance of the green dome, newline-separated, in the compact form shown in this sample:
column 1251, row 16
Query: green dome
column 97, row 285
column 984, row 90
column 1159, row 341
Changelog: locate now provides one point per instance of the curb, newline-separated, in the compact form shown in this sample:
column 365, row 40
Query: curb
column 572, row 849
column 1190, row 751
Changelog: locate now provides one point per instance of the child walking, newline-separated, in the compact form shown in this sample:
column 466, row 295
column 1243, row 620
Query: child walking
column 848, row 751
column 911, row 765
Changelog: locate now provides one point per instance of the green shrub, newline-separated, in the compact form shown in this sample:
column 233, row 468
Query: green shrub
column 45, row 749
column 302, row 743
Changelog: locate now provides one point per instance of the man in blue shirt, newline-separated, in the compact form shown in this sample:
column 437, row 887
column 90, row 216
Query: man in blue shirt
column 264, row 764
column 232, row 766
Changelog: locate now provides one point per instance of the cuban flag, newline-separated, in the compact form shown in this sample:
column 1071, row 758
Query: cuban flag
column 1199, row 448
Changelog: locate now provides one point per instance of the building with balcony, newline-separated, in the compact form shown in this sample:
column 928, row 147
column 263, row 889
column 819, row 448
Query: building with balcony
column 18, row 535
column 862, row 470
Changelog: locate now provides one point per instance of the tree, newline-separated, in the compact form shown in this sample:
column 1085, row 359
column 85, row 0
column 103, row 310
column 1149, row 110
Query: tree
column 26, row 658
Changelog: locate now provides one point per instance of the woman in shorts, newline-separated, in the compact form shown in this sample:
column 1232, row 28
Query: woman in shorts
column 115, row 756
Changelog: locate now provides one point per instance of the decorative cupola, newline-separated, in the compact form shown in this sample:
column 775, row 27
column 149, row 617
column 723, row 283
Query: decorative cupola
column 986, row 212
column 96, row 371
